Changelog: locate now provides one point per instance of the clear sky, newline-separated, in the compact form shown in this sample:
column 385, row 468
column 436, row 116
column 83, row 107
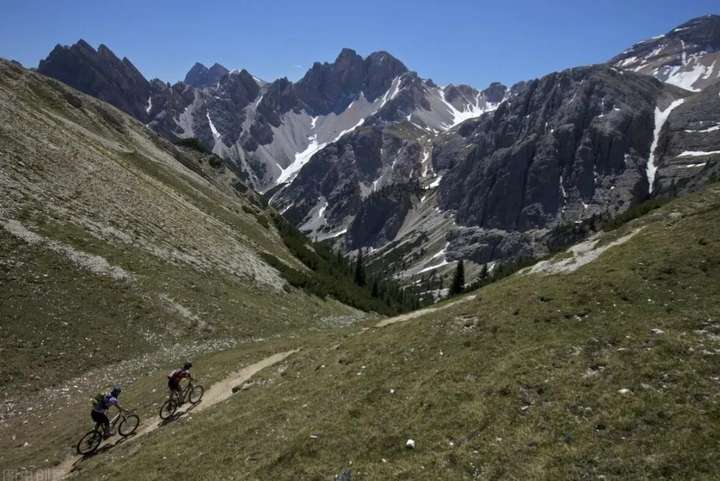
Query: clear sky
column 458, row 41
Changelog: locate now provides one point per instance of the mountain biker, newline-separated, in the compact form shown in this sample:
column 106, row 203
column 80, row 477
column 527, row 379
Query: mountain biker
column 102, row 404
column 176, row 376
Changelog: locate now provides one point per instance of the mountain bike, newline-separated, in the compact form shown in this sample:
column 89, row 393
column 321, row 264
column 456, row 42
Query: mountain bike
column 191, row 393
column 126, row 425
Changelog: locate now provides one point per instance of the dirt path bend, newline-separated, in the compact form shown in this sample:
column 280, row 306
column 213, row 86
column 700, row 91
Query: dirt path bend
column 422, row 312
column 215, row 394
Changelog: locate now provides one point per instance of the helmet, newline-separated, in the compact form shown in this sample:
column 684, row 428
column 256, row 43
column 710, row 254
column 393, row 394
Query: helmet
column 187, row 365
column 116, row 390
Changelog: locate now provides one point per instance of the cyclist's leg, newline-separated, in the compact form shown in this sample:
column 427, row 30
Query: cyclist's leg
column 172, row 386
column 102, row 420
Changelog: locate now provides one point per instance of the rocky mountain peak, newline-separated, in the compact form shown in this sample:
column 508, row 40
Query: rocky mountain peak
column 104, row 51
column 495, row 92
column 330, row 87
column 200, row 76
column 381, row 68
column 346, row 54
column 687, row 56
column 99, row 73
column 702, row 31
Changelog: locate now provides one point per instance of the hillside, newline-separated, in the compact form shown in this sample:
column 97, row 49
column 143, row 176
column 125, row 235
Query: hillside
column 116, row 243
column 600, row 363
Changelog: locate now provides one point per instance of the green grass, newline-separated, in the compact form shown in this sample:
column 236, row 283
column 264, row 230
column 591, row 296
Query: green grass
column 56, row 319
column 48, row 295
column 212, row 203
column 521, row 383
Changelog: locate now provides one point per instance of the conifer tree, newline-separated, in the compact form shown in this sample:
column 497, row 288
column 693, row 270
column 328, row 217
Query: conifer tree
column 360, row 270
column 458, row 283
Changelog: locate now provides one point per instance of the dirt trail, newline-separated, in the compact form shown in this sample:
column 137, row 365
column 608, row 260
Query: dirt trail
column 422, row 312
column 216, row 393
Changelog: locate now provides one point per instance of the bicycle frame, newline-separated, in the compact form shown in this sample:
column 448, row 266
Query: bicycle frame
column 113, row 422
column 183, row 394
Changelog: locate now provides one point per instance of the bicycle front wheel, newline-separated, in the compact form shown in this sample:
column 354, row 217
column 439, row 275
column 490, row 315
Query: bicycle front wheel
column 128, row 425
column 168, row 409
column 90, row 442
column 196, row 394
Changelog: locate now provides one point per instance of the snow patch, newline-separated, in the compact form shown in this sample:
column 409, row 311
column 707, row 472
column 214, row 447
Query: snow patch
column 331, row 235
column 301, row 158
column 391, row 92
column 434, row 267
column 214, row 131
column 316, row 217
column 661, row 117
column 473, row 110
column 695, row 153
column 149, row 106
column 704, row 131
column 686, row 79
column 435, row 183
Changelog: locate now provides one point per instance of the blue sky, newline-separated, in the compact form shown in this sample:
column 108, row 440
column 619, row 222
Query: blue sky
column 458, row 41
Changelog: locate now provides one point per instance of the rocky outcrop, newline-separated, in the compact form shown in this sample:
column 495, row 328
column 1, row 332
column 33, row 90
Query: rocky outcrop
column 688, row 153
column 101, row 74
column 565, row 146
column 346, row 179
column 380, row 216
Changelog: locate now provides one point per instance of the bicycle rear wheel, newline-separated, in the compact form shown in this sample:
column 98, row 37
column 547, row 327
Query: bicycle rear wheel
column 196, row 394
column 168, row 409
column 90, row 442
column 128, row 425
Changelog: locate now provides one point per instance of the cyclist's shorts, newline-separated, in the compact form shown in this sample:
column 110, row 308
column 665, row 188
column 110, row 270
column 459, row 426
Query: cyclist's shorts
column 99, row 417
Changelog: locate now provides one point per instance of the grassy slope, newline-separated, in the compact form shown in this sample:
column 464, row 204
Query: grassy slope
column 524, row 382
column 79, row 172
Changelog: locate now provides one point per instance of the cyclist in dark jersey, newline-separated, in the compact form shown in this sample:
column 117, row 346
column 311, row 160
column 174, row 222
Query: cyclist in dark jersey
column 176, row 376
column 100, row 409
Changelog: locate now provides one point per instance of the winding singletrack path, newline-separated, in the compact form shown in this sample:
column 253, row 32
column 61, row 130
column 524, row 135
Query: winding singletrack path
column 216, row 393
column 423, row 312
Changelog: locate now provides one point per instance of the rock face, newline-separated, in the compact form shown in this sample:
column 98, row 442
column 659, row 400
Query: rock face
column 564, row 145
column 688, row 56
column 688, row 153
column 199, row 76
column 563, row 148
column 347, row 179
column 101, row 74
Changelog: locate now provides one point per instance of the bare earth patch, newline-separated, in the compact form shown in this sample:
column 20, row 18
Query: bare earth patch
column 581, row 254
